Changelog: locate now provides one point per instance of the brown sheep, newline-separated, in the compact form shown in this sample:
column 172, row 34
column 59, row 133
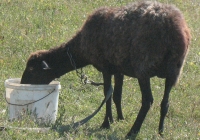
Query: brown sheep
column 140, row 40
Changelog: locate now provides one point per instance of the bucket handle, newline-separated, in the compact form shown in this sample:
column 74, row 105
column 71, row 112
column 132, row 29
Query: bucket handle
column 30, row 102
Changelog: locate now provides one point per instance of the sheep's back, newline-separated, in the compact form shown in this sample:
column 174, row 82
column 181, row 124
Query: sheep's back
column 137, row 36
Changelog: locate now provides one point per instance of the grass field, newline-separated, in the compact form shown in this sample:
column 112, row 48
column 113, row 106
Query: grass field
column 27, row 26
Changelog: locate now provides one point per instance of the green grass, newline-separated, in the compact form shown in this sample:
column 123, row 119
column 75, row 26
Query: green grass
column 27, row 26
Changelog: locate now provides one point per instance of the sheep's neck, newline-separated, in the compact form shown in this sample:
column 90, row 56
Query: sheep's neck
column 74, row 52
column 67, row 57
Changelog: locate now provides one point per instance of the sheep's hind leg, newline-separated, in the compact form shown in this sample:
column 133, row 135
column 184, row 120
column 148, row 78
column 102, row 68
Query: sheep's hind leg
column 117, row 94
column 173, row 73
column 147, row 101
column 108, row 116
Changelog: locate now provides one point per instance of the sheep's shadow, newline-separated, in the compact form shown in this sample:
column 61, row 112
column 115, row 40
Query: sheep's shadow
column 62, row 129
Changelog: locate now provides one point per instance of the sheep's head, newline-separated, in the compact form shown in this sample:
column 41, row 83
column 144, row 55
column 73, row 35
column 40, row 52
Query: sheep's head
column 37, row 70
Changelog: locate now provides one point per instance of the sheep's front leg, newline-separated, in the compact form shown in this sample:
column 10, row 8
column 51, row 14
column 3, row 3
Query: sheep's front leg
column 108, row 116
column 117, row 94
column 147, row 100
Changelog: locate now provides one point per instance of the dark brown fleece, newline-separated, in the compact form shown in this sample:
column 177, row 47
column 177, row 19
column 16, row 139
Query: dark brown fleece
column 138, row 40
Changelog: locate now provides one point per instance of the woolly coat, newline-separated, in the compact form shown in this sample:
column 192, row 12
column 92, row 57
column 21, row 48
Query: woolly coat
column 138, row 40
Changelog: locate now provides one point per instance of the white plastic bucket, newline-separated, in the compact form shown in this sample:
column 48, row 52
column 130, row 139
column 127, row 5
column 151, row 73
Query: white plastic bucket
column 39, row 101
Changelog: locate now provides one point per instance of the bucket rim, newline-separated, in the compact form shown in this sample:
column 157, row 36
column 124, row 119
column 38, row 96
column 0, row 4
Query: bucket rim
column 14, row 83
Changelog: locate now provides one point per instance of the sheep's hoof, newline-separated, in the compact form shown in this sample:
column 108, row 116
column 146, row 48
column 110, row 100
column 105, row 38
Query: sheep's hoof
column 105, row 125
column 120, row 118
column 161, row 134
column 130, row 136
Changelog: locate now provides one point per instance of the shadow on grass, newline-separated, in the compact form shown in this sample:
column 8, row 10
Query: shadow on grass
column 74, row 128
column 90, row 132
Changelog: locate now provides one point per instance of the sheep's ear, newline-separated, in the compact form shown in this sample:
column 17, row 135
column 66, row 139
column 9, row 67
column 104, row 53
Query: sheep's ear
column 45, row 66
